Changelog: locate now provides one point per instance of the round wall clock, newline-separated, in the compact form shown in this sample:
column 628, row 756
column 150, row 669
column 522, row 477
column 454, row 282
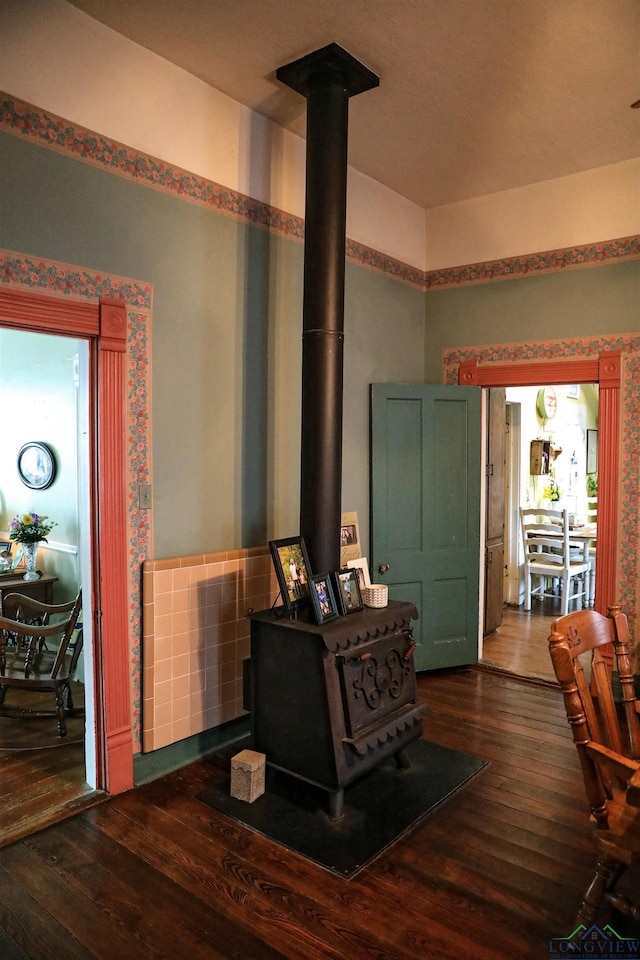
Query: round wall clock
column 36, row 465
column 547, row 403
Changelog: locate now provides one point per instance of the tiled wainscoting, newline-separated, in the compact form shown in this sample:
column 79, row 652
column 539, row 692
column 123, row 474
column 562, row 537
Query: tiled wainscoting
column 195, row 637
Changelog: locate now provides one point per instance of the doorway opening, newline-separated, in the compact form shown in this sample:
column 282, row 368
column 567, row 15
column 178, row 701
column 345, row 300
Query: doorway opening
column 44, row 381
column 565, row 479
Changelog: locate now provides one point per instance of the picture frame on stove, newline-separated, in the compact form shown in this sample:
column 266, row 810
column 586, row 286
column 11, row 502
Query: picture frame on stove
column 323, row 598
column 348, row 591
column 361, row 566
column 292, row 568
column 350, row 545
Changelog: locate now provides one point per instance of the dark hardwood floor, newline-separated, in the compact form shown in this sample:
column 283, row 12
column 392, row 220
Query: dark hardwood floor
column 491, row 874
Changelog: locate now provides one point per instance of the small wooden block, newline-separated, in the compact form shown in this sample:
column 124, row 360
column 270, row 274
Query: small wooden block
column 247, row 775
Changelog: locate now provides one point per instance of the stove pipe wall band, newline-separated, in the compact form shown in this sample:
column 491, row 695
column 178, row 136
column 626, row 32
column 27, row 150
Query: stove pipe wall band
column 327, row 78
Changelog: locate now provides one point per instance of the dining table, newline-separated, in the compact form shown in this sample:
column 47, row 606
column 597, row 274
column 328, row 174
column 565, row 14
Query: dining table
column 579, row 533
column 585, row 534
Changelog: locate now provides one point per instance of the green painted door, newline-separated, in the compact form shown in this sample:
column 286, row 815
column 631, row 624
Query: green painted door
column 425, row 512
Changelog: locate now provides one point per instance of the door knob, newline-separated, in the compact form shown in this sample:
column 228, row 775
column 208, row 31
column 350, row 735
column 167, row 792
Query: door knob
column 383, row 568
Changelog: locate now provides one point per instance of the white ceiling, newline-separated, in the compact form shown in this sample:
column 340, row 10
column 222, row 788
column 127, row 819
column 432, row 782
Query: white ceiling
column 475, row 96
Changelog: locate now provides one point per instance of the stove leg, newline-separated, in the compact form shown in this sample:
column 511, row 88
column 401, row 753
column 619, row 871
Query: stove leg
column 336, row 804
column 402, row 760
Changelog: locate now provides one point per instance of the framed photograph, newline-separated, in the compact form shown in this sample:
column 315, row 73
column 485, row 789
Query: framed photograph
column 573, row 391
column 348, row 591
column 361, row 567
column 323, row 598
column 292, row 570
column 592, row 451
column 5, row 556
column 350, row 548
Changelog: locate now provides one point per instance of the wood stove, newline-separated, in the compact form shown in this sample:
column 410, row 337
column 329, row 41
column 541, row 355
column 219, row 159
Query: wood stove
column 330, row 702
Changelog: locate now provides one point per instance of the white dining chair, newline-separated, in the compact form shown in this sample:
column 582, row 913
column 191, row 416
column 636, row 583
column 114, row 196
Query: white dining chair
column 548, row 554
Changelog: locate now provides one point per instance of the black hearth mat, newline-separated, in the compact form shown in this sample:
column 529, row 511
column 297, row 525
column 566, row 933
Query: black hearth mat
column 379, row 808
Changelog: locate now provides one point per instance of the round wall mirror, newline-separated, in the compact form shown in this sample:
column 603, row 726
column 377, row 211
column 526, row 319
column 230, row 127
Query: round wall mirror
column 36, row 465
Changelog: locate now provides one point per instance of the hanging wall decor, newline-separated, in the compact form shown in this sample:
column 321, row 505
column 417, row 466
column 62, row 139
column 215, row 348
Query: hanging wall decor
column 36, row 465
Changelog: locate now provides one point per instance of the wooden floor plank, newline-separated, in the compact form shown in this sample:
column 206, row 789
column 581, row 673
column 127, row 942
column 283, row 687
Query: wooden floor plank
column 519, row 645
column 31, row 925
column 542, row 823
column 230, row 880
column 121, row 885
column 42, row 775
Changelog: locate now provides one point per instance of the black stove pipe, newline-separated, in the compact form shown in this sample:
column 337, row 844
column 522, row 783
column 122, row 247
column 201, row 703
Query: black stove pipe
column 327, row 78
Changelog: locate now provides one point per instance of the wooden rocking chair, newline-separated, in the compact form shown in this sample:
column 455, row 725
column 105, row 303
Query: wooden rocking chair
column 27, row 663
column 607, row 737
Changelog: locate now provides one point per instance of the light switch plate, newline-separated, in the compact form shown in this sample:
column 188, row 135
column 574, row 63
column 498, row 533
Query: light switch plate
column 144, row 496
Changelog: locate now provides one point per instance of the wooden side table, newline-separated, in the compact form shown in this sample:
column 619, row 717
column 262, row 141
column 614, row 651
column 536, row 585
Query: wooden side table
column 41, row 589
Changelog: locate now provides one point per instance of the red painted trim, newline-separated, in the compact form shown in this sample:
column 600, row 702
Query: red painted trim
column 112, row 528
column 113, row 325
column 105, row 325
column 528, row 374
column 605, row 371
column 31, row 311
column 608, row 478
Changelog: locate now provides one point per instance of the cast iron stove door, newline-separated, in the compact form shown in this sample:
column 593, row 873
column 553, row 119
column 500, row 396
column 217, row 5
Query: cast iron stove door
column 377, row 681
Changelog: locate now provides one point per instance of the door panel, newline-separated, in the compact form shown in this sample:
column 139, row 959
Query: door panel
column 425, row 506
column 409, row 592
column 404, row 471
column 494, row 529
column 496, row 432
column 494, row 586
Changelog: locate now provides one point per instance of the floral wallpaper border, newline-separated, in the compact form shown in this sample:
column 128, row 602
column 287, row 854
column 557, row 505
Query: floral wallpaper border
column 63, row 280
column 629, row 346
column 552, row 261
column 32, row 123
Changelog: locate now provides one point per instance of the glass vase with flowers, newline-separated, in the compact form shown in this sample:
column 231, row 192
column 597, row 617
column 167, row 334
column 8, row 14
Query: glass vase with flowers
column 30, row 529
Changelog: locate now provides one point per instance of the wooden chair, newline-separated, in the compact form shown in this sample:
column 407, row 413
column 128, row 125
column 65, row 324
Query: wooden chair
column 607, row 737
column 26, row 662
column 548, row 554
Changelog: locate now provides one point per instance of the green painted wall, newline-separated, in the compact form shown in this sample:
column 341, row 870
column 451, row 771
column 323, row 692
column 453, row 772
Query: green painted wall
column 384, row 324
column 576, row 303
column 226, row 342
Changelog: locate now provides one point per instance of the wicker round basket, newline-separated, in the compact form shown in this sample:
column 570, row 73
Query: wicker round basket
column 377, row 595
